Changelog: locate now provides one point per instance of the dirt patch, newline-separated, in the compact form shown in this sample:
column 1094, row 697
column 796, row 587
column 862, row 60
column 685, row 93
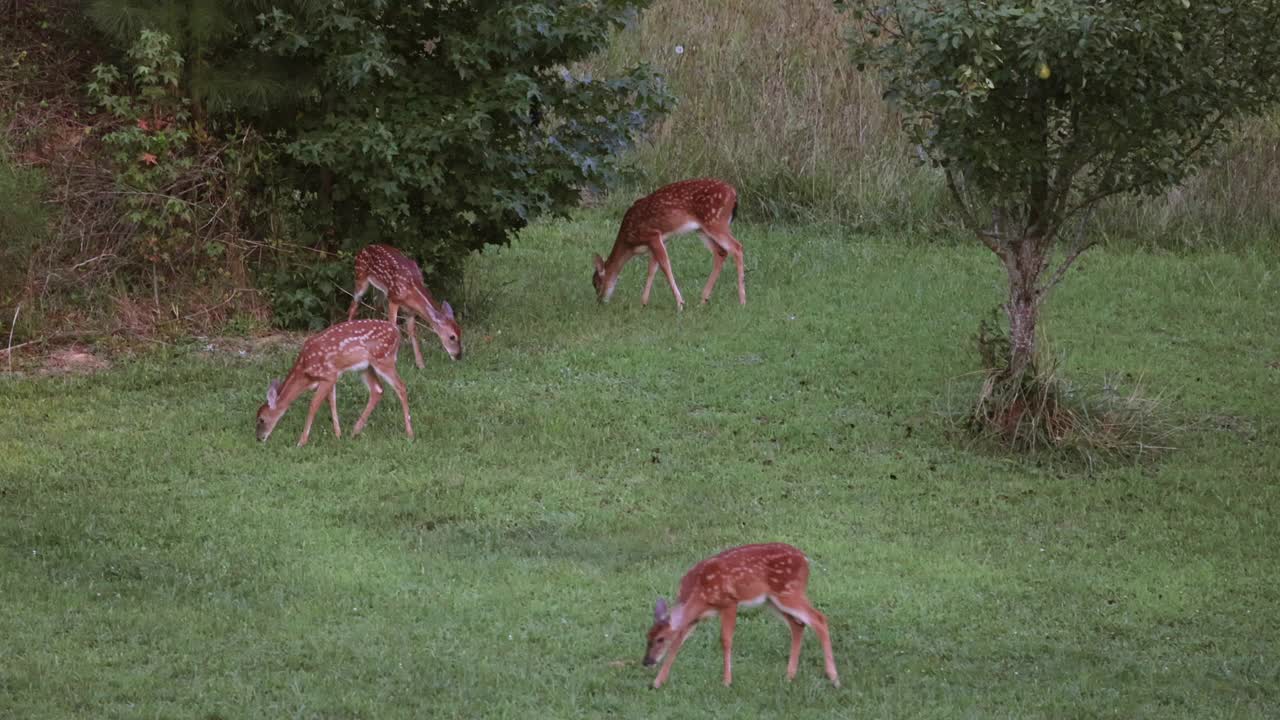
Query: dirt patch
column 250, row 346
column 39, row 358
column 73, row 360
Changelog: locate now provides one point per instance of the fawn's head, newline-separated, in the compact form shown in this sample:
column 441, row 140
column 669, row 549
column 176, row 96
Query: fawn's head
column 448, row 330
column 268, row 415
column 661, row 634
column 599, row 280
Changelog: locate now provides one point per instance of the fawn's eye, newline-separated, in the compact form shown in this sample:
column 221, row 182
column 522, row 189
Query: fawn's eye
column 453, row 337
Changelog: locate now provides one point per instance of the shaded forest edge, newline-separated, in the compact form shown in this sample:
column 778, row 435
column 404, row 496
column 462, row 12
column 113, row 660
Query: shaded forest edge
column 195, row 175
column 210, row 240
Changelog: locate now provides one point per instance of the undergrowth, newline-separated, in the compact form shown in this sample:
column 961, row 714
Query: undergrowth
column 145, row 238
column 1040, row 411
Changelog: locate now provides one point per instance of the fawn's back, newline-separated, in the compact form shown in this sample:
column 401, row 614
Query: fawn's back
column 746, row 575
column 390, row 271
column 680, row 207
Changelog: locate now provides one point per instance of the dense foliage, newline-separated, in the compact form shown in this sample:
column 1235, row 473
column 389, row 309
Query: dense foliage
column 438, row 127
column 168, row 177
column 23, row 224
column 1039, row 109
column 217, row 74
column 447, row 126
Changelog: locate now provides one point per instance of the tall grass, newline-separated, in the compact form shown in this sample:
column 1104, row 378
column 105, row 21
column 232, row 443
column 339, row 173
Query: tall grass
column 770, row 100
column 1233, row 202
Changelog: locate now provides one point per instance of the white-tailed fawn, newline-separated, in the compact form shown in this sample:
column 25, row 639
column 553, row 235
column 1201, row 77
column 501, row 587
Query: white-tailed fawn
column 744, row 576
column 706, row 205
column 368, row 345
column 400, row 279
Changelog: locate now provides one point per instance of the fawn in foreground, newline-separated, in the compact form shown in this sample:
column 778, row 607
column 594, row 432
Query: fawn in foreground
column 400, row 279
column 368, row 345
column 744, row 576
column 706, row 205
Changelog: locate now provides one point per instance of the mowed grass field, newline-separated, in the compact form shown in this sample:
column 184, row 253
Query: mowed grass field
column 156, row 561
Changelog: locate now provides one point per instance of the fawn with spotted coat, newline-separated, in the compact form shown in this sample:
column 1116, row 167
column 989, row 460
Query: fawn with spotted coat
column 400, row 279
column 744, row 576
column 706, row 205
column 368, row 345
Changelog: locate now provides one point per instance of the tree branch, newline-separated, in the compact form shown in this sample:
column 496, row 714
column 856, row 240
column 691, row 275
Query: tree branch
column 1068, row 165
column 1079, row 246
column 1196, row 145
column 961, row 200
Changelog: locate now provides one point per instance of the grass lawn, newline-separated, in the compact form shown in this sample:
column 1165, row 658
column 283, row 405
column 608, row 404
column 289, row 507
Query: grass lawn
column 156, row 561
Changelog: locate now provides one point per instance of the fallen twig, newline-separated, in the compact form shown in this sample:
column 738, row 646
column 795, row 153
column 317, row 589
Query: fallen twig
column 13, row 326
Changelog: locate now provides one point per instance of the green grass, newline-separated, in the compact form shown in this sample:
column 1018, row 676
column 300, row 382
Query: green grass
column 155, row 561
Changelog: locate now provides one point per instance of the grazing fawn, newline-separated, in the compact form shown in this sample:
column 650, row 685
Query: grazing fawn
column 744, row 576
column 368, row 345
column 400, row 279
column 706, row 205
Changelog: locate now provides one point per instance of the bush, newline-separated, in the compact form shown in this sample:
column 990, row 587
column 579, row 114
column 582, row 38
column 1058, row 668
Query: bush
column 444, row 128
column 24, row 225
column 439, row 128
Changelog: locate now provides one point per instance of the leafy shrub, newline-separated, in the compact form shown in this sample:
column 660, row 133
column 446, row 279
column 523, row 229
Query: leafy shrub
column 173, row 180
column 442, row 128
column 24, row 225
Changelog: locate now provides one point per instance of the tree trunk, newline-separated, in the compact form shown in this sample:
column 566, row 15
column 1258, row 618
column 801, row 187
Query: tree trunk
column 1022, row 312
column 1024, row 266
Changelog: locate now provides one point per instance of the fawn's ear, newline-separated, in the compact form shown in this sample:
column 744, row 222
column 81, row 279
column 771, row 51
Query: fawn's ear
column 435, row 317
column 273, row 394
column 660, row 610
column 448, row 310
column 599, row 264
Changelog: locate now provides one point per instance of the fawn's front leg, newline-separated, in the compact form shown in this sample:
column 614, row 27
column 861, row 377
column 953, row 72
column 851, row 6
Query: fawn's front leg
column 728, row 619
column 671, row 657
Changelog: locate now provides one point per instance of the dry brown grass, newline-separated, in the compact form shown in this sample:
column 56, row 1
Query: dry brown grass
column 770, row 101
column 1233, row 202
column 1041, row 411
column 87, row 279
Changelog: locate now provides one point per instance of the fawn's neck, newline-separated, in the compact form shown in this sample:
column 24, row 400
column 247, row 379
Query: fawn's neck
column 622, row 252
column 422, row 296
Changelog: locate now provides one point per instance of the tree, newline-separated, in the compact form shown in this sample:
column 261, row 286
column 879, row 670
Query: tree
column 445, row 126
column 1037, row 110
column 219, row 74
